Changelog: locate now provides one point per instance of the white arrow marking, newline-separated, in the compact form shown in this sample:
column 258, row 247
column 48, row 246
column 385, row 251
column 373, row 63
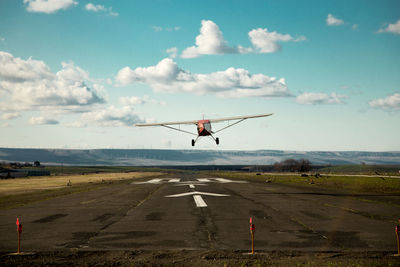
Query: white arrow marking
column 174, row 180
column 199, row 201
column 189, row 183
column 198, row 193
column 152, row 181
column 191, row 186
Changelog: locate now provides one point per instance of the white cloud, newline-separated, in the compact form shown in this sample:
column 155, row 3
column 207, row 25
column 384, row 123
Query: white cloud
column 157, row 28
column 389, row 102
column 168, row 29
column 267, row 42
column 10, row 115
column 319, row 98
column 111, row 117
column 42, row 121
column 392, row 28
column 30, row 85
column 135, row 100
column 48, row 6
column 210, row 41
column 176, row 28
column 354, row 27
column 166, row 76
column 332, row 21
column 100, row 8
column 173, row 52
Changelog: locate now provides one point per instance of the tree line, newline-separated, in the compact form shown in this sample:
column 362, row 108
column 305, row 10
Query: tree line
column 292, row 165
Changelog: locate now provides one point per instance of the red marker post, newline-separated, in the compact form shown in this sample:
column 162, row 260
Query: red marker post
column 19, row 230
column 252, row 230
column 397, row 229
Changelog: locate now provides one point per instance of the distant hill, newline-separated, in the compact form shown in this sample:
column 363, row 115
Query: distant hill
column 152, row 157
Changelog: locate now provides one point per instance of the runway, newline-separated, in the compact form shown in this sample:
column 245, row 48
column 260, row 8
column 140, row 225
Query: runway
column 193, row 212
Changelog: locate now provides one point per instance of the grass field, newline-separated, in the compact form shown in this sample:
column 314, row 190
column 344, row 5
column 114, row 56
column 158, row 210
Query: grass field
column 66, row 170
column 363, row 169
column 17, row 192
column 23, row 185
column 353, row 184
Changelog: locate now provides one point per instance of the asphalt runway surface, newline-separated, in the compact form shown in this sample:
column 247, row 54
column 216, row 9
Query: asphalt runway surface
column 194, row 212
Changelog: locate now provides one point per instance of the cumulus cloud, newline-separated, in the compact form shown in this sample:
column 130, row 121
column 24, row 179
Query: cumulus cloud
column 268, row 42
column 210, row 41
column 48, row 6
column 390, row 102
column 10, row 115
column 333, row 21
column 111, row 117
column 392, row 28
column 320, row 98
column 100, row 8
column 167, row 76
column 173, row 52
column 135, row 100
column 30, row 85
column 42, row 121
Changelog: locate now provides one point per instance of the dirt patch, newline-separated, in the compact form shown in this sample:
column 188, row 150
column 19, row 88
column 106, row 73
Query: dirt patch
column 200, row 258
column 336, row 239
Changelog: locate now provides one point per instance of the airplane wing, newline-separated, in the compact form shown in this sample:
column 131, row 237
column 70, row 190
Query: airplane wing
column 240, row 117
column 195, row 122
column 166, row 123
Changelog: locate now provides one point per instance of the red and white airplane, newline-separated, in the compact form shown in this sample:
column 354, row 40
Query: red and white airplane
column 204, row 126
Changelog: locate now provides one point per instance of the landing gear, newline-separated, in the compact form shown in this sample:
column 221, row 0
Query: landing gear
column 193, row 142
column 217, row 140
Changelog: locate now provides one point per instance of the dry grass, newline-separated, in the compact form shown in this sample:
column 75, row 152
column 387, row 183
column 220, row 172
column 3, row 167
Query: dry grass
column 32, row 184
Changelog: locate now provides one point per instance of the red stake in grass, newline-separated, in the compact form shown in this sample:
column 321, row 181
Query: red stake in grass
column 252, row 230
column 397, row 229
column 19, row 230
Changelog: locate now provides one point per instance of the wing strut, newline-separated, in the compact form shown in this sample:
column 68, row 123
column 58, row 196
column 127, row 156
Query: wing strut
column 230, row 125
column 176, row 129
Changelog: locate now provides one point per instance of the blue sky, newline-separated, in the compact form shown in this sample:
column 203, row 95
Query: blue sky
column 80, row 74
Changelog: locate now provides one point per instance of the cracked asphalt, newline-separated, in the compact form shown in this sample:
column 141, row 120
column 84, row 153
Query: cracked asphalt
column 139, row 215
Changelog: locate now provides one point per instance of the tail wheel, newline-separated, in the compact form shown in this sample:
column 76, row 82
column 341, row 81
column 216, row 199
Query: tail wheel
column 217, row 140
column 192, row 142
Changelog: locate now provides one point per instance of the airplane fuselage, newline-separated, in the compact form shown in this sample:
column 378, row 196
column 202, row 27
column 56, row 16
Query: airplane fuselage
column 204, row 128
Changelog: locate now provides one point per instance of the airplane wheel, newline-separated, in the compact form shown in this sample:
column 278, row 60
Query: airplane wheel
column 217, row 140
column 192, row 142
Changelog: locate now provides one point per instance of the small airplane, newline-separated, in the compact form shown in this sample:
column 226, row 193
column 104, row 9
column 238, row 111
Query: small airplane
column 204, row 126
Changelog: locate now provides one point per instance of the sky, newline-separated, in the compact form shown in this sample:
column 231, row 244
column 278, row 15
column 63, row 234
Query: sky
column 80, row 74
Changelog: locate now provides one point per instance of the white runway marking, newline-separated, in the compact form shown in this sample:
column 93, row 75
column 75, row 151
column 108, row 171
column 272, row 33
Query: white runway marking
column 192, row 184
column 198, row 193
column 203, row 180
column 152, row 181
column 199, row 201
column 178, row 181
column 222, row 180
